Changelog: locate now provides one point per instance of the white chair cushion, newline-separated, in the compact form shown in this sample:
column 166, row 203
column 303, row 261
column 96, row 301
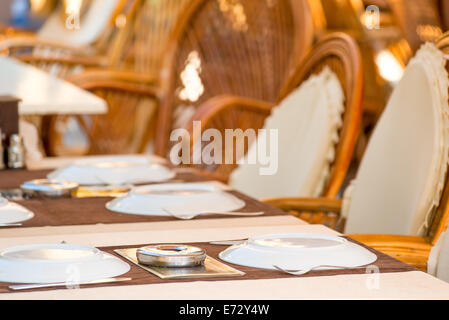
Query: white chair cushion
column 442, row 271
column 347, row 197
column 307, row 122
column 92, row 25
column 434, row 255
column 438, row 261
column 402, row 173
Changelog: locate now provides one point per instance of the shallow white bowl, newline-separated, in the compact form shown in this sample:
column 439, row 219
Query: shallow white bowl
column 13, row 213
column 296, row 251
column 176, row 198
column 137, row 159
column 50, row 263
column 113, row 170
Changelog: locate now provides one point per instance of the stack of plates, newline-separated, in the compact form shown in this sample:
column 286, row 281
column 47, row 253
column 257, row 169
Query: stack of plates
column 176, row 198
column 52, row 263
column 13, row 213
column 295, row 251
column 113, row 170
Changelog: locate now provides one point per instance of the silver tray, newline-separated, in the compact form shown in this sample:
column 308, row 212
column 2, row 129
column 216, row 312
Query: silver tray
column 210, row 268
column 171, row 256
column 49, row 188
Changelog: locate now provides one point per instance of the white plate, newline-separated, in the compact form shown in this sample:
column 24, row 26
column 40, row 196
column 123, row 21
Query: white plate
column 116, row 160
column 177, row 198
column 50, row 263
column 13, row 213
column 113, row 170
column 296, row 251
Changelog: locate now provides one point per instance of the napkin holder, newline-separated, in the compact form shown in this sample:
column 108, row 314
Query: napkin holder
column 9, row 122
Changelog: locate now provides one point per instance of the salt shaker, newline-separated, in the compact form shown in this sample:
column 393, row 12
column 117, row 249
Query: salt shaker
column 16, row 152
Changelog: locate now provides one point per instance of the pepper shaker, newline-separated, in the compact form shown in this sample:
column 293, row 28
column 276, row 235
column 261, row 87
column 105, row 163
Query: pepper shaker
column 16, row 152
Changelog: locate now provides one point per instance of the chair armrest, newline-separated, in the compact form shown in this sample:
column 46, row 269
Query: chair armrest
column 136, row 83
column 214, row 113
column 210, row 175
column 412, row 250
column 306, row 204
column 51, row 56
column 32, row 42
column 218, row 105
column 226, row 112
column 312, row 210
column 87, row 62
column 122, row 91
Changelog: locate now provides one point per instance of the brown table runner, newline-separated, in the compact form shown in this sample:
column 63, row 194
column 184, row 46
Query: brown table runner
column 385, row 263
column 88, row 211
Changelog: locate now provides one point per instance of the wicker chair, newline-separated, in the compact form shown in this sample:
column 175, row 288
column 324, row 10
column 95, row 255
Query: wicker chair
column 130, row 102
column 336, row 51
column 240, row 48
column 147, row 38
column 64, row 59
column 419, row 20
column 443, row 8
column 413, row 250
column 138, row 48
column 136, row 45
column 235, row 42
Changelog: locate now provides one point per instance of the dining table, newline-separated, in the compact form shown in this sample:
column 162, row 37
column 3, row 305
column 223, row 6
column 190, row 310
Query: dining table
column 42, row 93
column 386, row 278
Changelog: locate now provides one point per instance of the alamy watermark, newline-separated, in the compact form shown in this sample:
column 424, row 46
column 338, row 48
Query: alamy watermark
column 210, row 147
column 73, row 277
column 373, row 278
column 371, row 17
column 72, row 21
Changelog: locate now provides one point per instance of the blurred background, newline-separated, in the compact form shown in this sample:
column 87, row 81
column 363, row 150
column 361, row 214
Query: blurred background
column 140, row 69
column 131, row 35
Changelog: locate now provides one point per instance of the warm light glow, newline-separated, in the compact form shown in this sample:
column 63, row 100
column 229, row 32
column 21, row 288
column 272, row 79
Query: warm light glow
column 428, row 32
column 37, row 5
column 370, row 20
column 73, row 6
column 190, row 77
column 389, row 67
column 235, row 12
column 120, row 21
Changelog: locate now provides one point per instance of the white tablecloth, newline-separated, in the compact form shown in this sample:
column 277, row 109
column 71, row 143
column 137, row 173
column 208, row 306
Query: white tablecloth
column 42, row 93
column 406, row 285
